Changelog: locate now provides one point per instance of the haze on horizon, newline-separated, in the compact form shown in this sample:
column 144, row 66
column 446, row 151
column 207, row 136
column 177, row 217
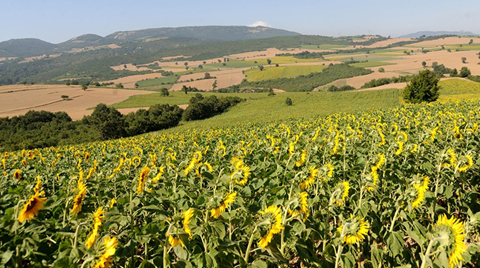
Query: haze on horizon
column 57, row 21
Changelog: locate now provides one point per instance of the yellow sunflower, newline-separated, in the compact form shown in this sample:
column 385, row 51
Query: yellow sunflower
column 17, row 174
column 353, row 230
column 451, row 235
column 106, row 259
column 187, row 215
column 216, row 212
column 31, row 208
column 273, row 214
column 97, row 222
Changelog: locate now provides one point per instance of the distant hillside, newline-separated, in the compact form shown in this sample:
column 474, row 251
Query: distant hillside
column 35, row 47
column 434, row 33
column 224, row 33
column 25, row 47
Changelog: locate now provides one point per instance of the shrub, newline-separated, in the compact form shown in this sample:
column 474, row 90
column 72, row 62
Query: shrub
column 381, row 70
column 288, row 101
column 422, row 87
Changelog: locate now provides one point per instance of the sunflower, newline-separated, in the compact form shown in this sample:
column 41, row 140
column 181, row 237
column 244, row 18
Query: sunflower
column 302, row 159
column 275, row 218
column 216, row 212
column 175, row 241
column 3, row 163
column 311, row 179
column 38, row 186
column 106, row 259
column 112, row 202
column 400, row 148
column 97, row 222
column 341, row 193
column 77, row 202
column 157, row 177
column 330, row 170
column 451, row 235
column 187, row 215
column 31, row 208
column 353, row 230
column 421, row 188
column 468, row 165
column 142, row 179
column 17, row 174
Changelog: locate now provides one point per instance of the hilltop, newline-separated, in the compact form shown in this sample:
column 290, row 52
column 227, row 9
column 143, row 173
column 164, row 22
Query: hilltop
column 29, row 47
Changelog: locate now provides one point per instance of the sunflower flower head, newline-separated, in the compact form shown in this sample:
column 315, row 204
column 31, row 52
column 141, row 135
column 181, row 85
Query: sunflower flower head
column 105, row 260
column 421, row 188
column 340, row 193
column 187, row 218
column 31, row 208
column 142, row 179
column 273, row 217
column 353, row 230
column 17, row 174
column 450, row 234
column 216, row 212
column 97, row 222
column 468, row 164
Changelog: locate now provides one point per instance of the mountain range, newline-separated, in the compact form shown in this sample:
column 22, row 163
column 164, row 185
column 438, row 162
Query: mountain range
column 34, row 47
column 434, row 33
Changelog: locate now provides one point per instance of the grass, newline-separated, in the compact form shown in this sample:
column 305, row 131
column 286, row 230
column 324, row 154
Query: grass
column 156, row 83
column 257, row 62
column 305, row 105
column 174, row 98
column 464, row 47
column 323, row 47
column 281, row 72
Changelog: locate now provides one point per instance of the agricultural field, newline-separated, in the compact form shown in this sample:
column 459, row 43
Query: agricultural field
column 282, row 72
column 378, row 187
column 19, row 99
column 157, row 83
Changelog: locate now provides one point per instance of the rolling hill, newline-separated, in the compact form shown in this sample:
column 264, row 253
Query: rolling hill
column 34, row 47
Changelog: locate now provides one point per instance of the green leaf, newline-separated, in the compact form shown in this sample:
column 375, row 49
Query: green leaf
column 6, row 256
column 180, row 252
column 348, row 260
column 259, row 264
column 219, row 229
column 376, row 256
column 395, row 243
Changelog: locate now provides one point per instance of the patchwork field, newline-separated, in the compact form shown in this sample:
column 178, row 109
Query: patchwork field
column 17, row 100
column 281, row 72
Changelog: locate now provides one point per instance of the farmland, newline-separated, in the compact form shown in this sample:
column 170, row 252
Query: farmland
column 370, row 186
column 336, row 179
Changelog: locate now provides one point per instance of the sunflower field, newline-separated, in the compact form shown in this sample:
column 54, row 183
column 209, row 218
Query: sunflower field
column 382, row 188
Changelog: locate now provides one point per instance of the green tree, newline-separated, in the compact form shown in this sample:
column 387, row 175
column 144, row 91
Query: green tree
column 424, row 64
column 422, row 87
column 381, row 70
column 269, row 61
column 84, row 87
column 207, row 76
column 464, row 72
column 453, row 72
column 464, row 60
column 119, row 85
column 164, row 92
column 260, row 67
column 288, row 101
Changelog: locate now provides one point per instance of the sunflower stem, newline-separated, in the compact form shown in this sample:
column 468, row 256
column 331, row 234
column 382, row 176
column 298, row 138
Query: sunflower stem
column 250, row 241
column 394, row 219
column 427, row 253
column 340, row 247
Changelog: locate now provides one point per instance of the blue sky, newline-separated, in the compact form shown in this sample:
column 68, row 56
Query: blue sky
column 59, row 20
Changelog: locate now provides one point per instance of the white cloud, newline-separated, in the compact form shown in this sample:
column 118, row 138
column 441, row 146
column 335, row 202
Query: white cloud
column 260, row 23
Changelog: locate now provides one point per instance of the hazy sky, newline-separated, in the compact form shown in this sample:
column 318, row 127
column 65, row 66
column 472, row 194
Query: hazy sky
column 59, row 20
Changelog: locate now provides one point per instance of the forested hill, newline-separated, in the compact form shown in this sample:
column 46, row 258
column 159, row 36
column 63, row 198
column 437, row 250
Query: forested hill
column 35, row 47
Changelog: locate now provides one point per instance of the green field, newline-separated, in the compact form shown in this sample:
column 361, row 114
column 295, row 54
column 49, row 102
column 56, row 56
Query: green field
column 158, row 83
column 323, row 47
column 281, row 72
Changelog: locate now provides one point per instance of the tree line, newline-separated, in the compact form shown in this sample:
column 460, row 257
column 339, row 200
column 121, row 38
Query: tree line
column 37, row 129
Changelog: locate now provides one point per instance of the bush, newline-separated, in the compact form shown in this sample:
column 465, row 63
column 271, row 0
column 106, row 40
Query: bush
column 164, row 92
column 201, row 108
column 464, row 72
column 422, row 87
column 288, row 101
